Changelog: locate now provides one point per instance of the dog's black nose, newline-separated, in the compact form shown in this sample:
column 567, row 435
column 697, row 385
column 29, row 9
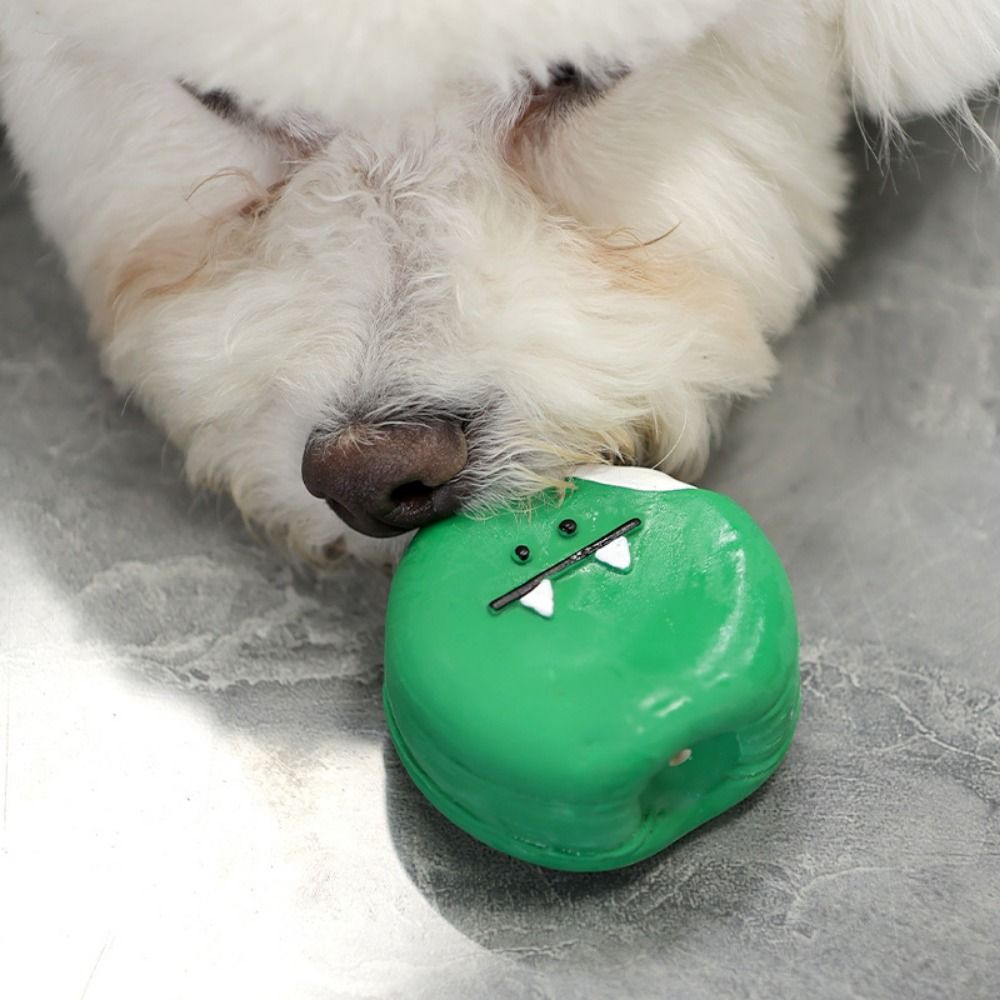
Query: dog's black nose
column 386, row 480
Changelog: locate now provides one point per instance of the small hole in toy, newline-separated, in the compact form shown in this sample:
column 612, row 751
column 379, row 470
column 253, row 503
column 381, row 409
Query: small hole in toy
column 706, row 766
column 522, row 553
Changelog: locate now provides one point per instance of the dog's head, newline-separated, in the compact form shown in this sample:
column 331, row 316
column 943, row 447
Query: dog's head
column 451, row 314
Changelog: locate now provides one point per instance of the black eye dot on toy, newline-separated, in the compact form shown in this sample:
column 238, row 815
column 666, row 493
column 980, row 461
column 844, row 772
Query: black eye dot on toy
column 568, row 527
column 522, row 554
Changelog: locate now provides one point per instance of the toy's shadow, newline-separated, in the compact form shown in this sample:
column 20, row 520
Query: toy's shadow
column 498, row 901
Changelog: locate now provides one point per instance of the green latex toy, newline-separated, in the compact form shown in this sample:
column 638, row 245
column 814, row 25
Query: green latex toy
column 581, row 683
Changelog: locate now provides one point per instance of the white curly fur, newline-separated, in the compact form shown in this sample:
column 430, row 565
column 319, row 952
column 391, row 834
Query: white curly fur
column 592, row 285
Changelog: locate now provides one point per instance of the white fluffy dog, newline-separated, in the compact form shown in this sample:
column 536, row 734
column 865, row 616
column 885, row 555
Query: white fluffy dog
column 366, row 261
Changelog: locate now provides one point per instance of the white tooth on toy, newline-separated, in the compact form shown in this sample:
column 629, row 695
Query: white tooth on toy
column 617, row 554
column 541, row 599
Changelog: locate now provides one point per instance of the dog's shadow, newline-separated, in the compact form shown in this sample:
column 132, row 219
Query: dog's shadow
column 194, row 603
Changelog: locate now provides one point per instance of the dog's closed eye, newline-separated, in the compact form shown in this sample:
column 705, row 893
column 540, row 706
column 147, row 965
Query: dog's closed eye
column 555, row 98
column 567, row 85
column 566, row 75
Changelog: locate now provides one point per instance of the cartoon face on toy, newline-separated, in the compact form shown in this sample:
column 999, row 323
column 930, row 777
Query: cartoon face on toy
column 612, row 548
column 582, row 682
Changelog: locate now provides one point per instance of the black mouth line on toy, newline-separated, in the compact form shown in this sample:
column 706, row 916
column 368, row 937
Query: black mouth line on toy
column 501, row 602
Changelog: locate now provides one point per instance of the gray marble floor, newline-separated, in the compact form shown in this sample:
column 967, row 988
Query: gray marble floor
column 198, row 796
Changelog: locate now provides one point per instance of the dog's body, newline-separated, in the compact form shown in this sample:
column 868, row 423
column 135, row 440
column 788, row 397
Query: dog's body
column 420, row 217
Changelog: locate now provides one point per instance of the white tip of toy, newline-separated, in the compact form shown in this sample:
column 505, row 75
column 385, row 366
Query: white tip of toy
column 541, row 599
column 617, row 554
column 630, row 477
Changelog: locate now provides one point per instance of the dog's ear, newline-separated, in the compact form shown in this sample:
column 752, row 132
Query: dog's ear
column 920, row 58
